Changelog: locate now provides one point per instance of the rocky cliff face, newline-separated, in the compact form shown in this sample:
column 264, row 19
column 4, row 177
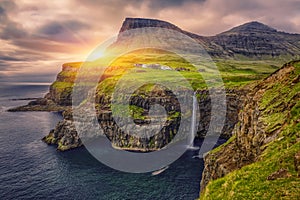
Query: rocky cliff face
column 59, row 96
column 251, row 39
column 66, row 137
column 132, row 23
column 266, row 135
column 256, row 40
column 60, row 91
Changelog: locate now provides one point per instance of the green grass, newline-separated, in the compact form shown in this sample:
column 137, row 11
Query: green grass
column 137, row 112
column 62, row 85
column 239, row 73
column 223, row 145
column 68, row 74
column 250, row 182
column 233, row 73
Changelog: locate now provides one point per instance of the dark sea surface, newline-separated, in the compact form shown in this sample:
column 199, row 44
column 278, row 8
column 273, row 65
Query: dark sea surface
column 30, row 169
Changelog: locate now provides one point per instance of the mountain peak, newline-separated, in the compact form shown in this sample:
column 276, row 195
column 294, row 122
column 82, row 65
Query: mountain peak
column 249, row 27
column 132, row 23
column 253, row 39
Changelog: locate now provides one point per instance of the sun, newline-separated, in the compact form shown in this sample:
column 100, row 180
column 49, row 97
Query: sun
column 95, row 55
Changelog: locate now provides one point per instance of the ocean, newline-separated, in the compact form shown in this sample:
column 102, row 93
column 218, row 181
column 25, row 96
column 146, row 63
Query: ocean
column 30, row 169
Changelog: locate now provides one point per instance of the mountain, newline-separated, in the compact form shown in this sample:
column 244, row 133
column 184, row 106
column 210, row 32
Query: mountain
column 132, row 23
column 251, row 27
column 255, row 39
column 252, row 40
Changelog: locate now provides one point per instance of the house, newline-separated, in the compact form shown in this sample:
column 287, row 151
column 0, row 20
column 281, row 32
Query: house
column 153, row 66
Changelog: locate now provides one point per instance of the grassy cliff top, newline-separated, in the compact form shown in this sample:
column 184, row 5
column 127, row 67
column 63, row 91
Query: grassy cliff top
column 279, row 112
column 234, row 73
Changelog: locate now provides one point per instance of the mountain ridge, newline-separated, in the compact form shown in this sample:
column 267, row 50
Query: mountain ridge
column 253, row 40
column 250, row 26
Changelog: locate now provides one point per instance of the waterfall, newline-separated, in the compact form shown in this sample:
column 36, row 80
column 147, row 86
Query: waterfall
column 194, row 112
column 193, row 122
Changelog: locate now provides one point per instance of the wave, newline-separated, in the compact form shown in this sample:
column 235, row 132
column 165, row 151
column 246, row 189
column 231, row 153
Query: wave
column 159, row 171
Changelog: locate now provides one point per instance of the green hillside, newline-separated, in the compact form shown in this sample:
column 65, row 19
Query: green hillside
column 279, row 112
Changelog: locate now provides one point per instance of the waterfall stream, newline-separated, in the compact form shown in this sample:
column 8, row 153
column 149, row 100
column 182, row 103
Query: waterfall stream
column 193, row 122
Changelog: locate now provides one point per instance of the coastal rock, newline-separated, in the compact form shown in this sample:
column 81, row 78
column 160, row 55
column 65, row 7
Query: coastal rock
column 59, row 97
column 123, row 140
column 256, row 127
column 41, row 104
column 60, row 91
column 64, row 135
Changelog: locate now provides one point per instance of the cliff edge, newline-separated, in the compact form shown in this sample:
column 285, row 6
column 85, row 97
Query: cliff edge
column 261, row 160
column 59, row 96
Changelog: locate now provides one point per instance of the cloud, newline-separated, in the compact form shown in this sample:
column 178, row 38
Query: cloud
column 62, row 27
column 12, row 31
column 9, row 28
column 160, row 5
column 154, row 5
column 9, row 58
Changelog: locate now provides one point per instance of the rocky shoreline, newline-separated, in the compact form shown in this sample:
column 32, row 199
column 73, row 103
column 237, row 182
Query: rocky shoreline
column 39, row 104
column 64, row 135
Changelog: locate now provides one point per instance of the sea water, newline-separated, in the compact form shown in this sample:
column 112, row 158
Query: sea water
column 30, row 169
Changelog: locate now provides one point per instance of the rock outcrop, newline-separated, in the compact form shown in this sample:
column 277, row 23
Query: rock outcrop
column 132, row 23
column 64, row 135
column 40, row 104
column 268, row 126
column 59, row 96
column 60, row 91
column 119, row 138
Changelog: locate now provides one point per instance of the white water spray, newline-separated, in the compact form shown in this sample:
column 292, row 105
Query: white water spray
column 193, row 123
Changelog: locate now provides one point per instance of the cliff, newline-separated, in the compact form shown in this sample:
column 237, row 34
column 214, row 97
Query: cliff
column 65, row 136
column 132, row 23
column 59, row 96
column 60, row 90
column 261, row 160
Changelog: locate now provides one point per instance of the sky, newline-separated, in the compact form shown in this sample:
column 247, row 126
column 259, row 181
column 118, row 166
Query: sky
column 37, row 37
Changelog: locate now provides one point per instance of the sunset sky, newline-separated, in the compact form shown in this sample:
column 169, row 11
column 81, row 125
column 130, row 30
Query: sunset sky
column 36, row 37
